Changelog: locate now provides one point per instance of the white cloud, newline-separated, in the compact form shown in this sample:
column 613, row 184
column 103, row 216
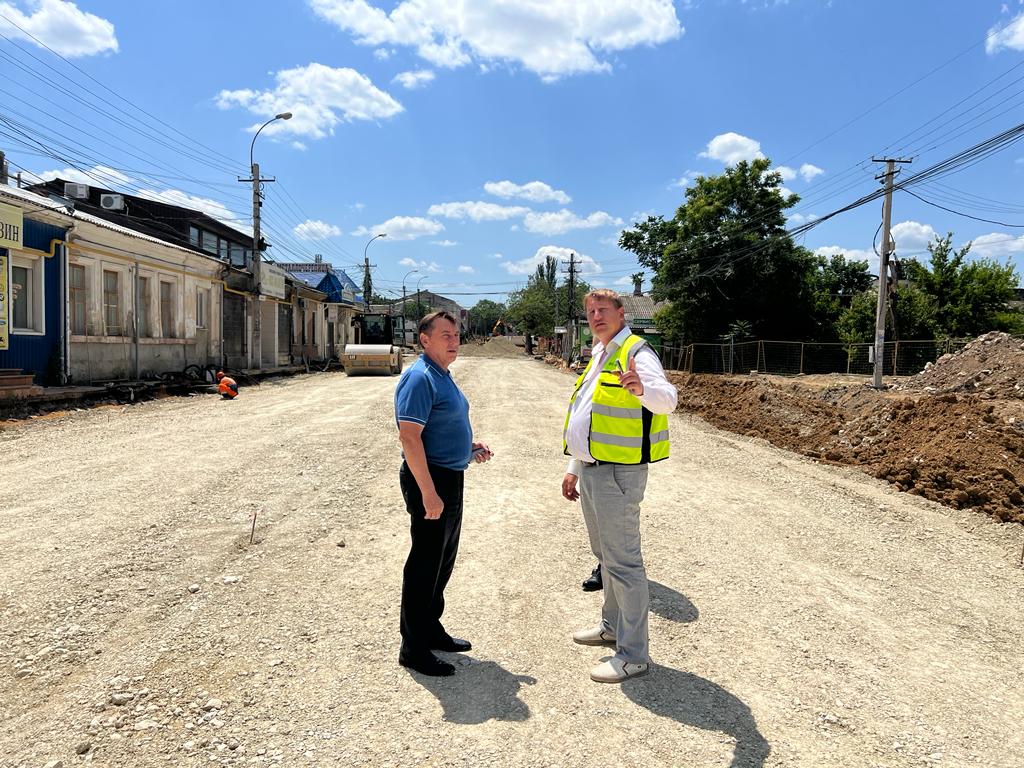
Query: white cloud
column 477, row 211
column 730, row 148
column 498, row 256
column 997, row 245
column 785, row 191
column 382, row 54
column 534, row 191
column 560, row 222
column 809, row 171
column 787, row 173
column 553, row 39
column 299, row 146
column 319, row 98
column 912, row 235
column 466, row 269
column 61, row 26
column 403, row 228
column 414, row 78
column 684, row 181
column 210, row 207
column 527, row 266
column 851, row 254
column 96, row 176
column 428, row 266
column 316, row 230
column 1009, row 37
column 799, row 218
column 444, row 243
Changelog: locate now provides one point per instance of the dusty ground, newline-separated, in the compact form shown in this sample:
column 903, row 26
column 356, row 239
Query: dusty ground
column 803, row 614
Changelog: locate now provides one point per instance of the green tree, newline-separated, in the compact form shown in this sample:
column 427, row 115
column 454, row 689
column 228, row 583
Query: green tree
column 484, row 314
column 968, row 298
column 532, row 309
column 726, row 257
column 834, row 282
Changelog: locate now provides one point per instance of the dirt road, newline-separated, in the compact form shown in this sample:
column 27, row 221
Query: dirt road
column 803, row 615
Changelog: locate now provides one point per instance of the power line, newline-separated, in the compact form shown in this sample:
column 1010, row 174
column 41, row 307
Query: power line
column 961, row 213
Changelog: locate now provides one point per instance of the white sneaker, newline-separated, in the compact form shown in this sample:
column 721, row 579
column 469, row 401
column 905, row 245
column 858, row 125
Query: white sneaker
column 616, row 670
column 595, row 636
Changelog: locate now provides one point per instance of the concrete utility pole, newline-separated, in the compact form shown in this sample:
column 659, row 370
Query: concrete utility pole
column 257, row 203
column 883, row 266
column 571, row 309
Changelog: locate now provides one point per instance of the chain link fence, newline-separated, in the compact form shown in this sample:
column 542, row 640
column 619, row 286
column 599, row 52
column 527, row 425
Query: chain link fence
column 793, row 358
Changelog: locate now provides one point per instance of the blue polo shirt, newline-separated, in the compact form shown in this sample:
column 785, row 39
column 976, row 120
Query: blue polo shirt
column 427, row 395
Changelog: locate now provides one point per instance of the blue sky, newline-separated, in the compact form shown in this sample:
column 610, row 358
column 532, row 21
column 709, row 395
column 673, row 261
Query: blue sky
column 483, row 135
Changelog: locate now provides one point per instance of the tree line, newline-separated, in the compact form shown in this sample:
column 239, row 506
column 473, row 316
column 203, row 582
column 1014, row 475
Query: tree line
column 727, row 267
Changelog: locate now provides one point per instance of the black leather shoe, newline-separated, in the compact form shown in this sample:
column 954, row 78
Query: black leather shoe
column 594, row 582
column 452, row 645
column 425, row 663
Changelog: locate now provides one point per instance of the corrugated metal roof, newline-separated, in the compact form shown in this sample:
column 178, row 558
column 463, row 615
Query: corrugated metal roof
column 45, row 203
column 637, row 306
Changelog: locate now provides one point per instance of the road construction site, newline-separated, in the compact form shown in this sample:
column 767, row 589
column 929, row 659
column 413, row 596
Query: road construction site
column 190, row 581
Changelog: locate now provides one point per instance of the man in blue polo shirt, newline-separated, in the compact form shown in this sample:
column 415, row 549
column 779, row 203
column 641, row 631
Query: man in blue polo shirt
column 437, row 445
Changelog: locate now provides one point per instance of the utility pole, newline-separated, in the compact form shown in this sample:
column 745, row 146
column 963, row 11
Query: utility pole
column 883, row 265
column 571, row 309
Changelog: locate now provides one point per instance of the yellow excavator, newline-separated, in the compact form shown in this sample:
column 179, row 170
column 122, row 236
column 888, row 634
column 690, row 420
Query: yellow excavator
column 376, row 352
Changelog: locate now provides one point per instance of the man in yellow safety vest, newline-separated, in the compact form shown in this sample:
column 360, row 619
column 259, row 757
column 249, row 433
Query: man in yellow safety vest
column 617, row 424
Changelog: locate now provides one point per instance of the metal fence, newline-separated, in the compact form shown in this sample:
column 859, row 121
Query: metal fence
column 792, row 358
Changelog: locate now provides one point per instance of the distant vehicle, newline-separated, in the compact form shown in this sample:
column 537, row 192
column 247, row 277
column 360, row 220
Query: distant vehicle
column 377, row 351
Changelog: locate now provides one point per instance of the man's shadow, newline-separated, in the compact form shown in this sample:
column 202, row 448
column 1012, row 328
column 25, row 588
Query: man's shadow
column 478, row 692
column 694, row 701
column 671, row 605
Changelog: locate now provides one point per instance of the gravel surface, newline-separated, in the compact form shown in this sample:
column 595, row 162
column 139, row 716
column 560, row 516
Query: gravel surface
column 802, row 614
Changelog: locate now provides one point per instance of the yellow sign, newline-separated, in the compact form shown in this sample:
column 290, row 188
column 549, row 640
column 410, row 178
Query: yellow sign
column 4, row 303
column 11, row 226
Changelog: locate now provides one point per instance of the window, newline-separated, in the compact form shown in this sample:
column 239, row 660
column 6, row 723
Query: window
column 112, row 303
column 209, row 241
column 78, row 300
column 142, row 310
column 223, row 247
column 167, row 310
column 202, row 306
column 193, row 236
column 22, row 280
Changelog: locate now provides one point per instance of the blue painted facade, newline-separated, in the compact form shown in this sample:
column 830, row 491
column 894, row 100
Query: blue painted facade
column 40, row 354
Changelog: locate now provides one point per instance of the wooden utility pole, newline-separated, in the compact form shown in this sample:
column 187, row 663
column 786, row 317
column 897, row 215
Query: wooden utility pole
column 883, row 265
column 571, row 309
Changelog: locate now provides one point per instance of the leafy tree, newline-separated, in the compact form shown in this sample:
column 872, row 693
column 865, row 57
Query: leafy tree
column 484, row 314
column 726, row 257
column 834, row 282
column 967, row 298
column 532, row 309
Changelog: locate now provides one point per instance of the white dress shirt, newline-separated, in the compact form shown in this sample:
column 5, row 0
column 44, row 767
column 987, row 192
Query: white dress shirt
column 659, row 396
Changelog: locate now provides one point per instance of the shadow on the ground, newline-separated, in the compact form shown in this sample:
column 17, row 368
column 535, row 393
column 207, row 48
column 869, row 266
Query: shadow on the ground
column 694, row 701
column 672, row 605
column 478, row 692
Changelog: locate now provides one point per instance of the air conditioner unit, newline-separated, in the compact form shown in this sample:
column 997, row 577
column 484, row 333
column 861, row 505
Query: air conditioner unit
column 76, row 191
column 112, row 202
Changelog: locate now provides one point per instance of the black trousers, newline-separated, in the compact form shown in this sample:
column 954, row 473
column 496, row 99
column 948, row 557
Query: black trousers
column 435, row 544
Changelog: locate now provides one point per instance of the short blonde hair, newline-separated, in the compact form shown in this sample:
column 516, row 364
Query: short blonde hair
column 604, row 294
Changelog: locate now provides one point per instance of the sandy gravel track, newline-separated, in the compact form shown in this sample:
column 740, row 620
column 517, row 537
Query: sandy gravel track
column 802, row 615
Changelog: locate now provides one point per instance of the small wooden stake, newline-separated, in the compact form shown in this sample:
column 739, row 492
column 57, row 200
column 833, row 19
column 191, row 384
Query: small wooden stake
column 253, row 533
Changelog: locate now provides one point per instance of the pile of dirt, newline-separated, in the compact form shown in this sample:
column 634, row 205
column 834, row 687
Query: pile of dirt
column 991, row 366
column 961, row 450
column 495, row 346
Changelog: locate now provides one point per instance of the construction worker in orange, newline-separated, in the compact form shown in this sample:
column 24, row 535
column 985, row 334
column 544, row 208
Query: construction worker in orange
column 227, row 386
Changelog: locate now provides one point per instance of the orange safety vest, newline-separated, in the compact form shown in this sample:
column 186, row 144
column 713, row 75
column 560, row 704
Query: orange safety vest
column 228, row 387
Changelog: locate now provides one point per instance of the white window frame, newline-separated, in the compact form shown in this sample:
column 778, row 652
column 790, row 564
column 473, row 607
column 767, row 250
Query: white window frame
column 122, row 330
column 175, row 309
column 85, row 298
column 36, row 292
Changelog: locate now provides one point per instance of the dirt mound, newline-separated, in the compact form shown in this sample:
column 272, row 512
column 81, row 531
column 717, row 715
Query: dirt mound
column 956, row 449
column 992, row 366
column 495, row 346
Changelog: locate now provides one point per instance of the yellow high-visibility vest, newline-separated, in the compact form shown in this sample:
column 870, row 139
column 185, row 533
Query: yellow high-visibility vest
column 622, row 431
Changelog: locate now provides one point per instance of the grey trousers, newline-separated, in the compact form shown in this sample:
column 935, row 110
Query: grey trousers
column 610, row 495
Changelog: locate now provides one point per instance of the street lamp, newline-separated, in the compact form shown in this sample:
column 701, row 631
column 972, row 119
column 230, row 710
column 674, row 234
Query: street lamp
column 367, row 283
column 418, row 293
column 256, row 203
column 403, row 287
